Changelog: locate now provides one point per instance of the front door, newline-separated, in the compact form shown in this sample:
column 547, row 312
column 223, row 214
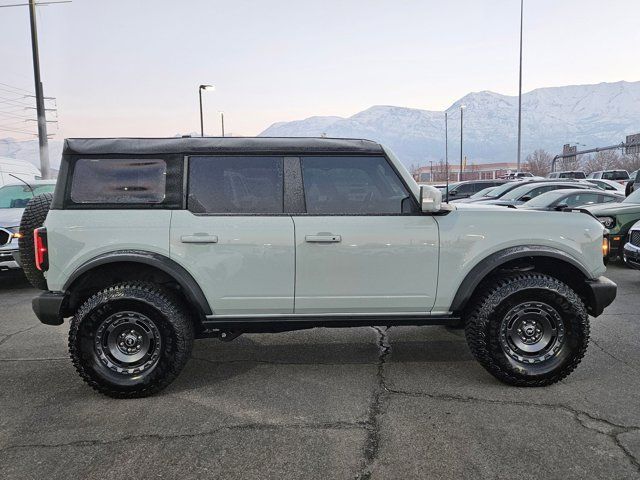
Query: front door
column 362, row 246
column 234, row 237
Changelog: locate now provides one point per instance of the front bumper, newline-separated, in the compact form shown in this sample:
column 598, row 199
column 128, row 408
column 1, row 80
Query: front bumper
column 631, row 255
column 601, row 292
column 48, row 307
column 8, row 258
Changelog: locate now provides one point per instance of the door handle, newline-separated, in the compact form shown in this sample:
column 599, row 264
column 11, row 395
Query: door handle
column 329, row 238
column 199, row 238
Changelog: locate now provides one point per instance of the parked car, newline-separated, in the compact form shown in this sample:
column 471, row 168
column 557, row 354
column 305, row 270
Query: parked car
column 631, row 252
column 621, row 176
column 618, row 218
column 13, row 199
column 530, row 190
column 569, row 198
column 608, row 185
column 632, row 184
column 519, row 176
column 151, row 242
column 12, row 170
column 468, row 188
column 577, row 174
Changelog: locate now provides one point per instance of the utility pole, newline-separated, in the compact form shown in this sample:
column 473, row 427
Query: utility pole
column 45, row 170
column 520, row 90
column 42, row 121
column 431, row 173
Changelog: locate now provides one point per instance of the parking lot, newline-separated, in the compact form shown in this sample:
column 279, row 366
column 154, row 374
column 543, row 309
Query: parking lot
column 408, row 402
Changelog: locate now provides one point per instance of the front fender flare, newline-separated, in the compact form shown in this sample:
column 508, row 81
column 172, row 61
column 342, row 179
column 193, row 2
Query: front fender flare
column 493, row 261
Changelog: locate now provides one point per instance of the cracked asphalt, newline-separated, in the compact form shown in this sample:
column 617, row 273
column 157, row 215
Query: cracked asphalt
column 408, row 402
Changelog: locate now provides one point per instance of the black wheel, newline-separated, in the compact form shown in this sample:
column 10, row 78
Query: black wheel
column 33, row 217
column 130, row 340
column 528, row 329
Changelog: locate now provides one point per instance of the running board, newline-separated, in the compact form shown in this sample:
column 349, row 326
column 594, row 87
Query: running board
column 283, row 323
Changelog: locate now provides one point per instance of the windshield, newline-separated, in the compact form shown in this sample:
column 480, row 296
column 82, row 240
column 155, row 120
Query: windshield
column 545, row 199
column 517, row 192
column 633, row 198
column 483, row 193
column 17, row 196
column 500, row 190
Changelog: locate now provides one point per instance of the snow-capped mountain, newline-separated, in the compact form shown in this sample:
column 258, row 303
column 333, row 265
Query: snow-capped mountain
column 593, row 115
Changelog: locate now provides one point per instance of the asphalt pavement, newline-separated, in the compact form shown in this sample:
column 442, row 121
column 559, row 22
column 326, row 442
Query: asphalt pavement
column 408, row 402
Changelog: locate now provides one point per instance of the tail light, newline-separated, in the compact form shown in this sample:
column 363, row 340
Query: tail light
column 41, row 248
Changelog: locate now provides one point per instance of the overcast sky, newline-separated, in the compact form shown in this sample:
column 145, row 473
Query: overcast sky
column 132, row 67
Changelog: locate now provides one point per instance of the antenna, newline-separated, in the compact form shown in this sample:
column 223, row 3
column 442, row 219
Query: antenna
column 23, row 181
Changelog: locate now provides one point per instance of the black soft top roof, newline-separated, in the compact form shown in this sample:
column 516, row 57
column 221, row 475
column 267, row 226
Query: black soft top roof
column 194, row 145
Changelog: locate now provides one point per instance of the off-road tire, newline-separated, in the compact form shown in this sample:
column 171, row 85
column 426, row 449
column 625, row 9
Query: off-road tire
column 91, row 355
column 492, row 310
column 33, row 217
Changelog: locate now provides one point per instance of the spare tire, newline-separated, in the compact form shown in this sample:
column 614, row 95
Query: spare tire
column 33, row 217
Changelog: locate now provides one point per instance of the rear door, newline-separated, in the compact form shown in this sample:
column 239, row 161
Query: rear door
column 234, row 236
column 362, row 246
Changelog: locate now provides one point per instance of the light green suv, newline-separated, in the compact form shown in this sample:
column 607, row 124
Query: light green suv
column 150, row 243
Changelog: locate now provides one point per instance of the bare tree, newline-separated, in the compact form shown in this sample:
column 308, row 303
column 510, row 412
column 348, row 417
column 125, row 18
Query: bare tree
column 630, row 162
column 539, row 162
column 605, row 160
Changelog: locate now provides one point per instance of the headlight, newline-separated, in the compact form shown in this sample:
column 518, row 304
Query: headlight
column 608, row 222
column 15, row 231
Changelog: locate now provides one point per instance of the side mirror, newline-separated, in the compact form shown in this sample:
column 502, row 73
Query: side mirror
column 430, row 199
column 561, row 206
column 453, row 193
column 526, row 198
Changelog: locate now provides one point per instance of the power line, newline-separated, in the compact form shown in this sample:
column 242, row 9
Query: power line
column 37, row 4
column 18, row 131
column 22, row 90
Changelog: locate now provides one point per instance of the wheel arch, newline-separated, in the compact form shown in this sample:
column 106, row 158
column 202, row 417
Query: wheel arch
column 543, row 259
column 105, row 268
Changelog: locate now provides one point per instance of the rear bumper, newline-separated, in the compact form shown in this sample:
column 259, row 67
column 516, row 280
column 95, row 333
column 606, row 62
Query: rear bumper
column 631, row 255
column 601, row 293
column 48, row 307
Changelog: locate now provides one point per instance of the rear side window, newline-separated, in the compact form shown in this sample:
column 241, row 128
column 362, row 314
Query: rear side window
column 353, row 185
column 241, row 185
column 119, row 181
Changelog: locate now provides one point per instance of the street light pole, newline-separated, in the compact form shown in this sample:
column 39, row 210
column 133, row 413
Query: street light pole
column 222, row 122
column 200, row 89
column 446, row 154
column 520, row 89
column 461, row 130
column 42, row 121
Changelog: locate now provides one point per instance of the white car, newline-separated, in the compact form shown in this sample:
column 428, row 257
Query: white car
column 631, row 252
column 608, row 185
column 13, row 198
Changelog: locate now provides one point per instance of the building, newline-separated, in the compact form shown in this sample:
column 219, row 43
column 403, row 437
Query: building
column 485, row 171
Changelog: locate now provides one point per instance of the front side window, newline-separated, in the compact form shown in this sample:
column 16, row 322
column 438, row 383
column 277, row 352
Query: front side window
column 119, row 181
column 353, row 185
column 242, row 185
